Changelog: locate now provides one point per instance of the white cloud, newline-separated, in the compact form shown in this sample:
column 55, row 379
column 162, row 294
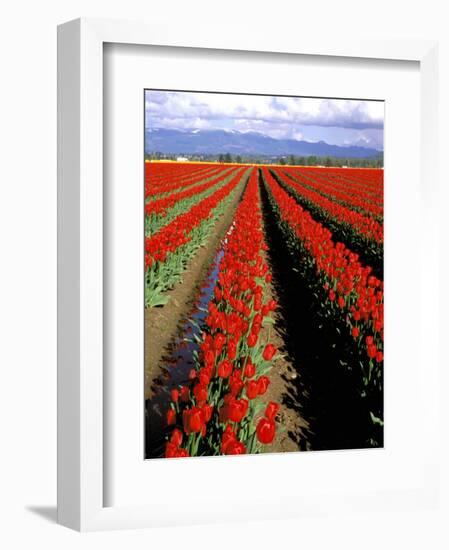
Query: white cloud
column 278, row 117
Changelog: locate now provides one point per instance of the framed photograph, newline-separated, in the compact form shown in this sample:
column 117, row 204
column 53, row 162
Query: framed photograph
column 236, row 306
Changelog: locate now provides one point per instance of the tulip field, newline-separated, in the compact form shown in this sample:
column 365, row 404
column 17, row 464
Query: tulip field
column 263, row 308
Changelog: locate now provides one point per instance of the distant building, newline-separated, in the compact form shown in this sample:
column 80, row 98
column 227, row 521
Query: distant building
column 182, row 159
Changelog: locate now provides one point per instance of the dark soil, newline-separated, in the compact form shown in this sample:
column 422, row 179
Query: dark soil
column 323, row 393
column 293, row 430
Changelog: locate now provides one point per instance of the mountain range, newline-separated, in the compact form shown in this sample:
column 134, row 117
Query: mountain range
column 214, row 142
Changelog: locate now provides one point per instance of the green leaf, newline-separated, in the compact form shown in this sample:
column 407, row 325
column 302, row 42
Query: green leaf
column 269, row 320
column 376, row 420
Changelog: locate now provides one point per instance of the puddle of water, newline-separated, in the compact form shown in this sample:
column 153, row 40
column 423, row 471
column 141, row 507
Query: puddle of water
column 179, row 362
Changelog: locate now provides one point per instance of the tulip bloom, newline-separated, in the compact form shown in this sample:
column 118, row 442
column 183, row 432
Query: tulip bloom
column 207, row 412
column 181, row 453
column 269, row 352
column 176, row 437
column 233, row 409
column 200, row 392
column 263, row 383
column 224, row 369
column 192, row 374
column 265, row 431
column 250, row 369
column 236, row 448
column 170, row 450
column 193, row 420
column 252, row 389
column 237, row 410
column 227, row 438
column 235, row 385
column 219, row 342
column 271, row 410
column 171, row 417
column 185, row 394
column 252, row 340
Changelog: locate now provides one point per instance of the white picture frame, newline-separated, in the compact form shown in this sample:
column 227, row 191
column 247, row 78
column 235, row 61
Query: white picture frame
column 81, row 488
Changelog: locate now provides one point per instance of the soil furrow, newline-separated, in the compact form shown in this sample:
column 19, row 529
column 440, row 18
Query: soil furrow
column 162, row 324
column 322, row 393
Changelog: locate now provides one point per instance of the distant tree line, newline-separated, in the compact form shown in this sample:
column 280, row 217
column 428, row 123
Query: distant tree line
column 354, row 162
column 312, row 160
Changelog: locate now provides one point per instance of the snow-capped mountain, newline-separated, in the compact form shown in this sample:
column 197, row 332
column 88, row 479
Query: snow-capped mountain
column 199, row 141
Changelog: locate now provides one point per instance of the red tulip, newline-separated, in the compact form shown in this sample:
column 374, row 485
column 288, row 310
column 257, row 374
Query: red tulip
column 271, row 410
column 227, row 438
column 185, row 394
column 355, row 332
column 252, row 389
column 250, row 369
column 176, row 437
column 224, row 369
column 265, row 431
column 252, row 340
column 171, row 417
column 170, row 450
column 182, row 453
column 269, row 352
column 263, row 383
column 233, row 409
column 207, row 412
column 193, row 420
column 235, row 448
column 174, row 395
column 235, row 385
column 219, row 342
column 232, row 350
column 200, row 392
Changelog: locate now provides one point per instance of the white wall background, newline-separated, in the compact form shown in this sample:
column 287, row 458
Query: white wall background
column 28, row 269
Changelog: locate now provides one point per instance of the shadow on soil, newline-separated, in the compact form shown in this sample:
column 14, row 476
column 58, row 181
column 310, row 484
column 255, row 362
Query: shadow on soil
column 323, row 392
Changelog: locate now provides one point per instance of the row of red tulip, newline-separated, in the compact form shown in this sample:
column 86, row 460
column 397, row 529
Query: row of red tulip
column 370, row 177
column 163, row 178
column 349, row 285
column 364, row 225
column 160, row 206
column 176, row 233
column 357, row 196
column 219, row 410
column 158, row 172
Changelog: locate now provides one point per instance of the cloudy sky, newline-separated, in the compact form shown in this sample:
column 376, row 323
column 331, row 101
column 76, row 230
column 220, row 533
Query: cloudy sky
column 335, row 121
